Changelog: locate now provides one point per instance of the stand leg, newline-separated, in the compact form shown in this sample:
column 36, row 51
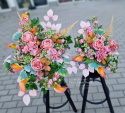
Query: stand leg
column 85, row 94
column 106, row 94
column 69, row 98
column 47, row 102
column 82, row 82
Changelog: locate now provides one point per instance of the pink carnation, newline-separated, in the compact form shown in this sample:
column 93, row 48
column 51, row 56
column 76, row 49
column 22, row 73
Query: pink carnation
column 39, row 75
column 50, row 82
column 98, row 44
column 81, row 41
column 95, row 22
column 53, row 53
column 79, row 50
column 36, row 64
column 20, row 23
column 113, row 45
column 46, row 44
column 27, row 37
column 101, row 54
column 26, row 19
column 25, row 49
column 57, row 75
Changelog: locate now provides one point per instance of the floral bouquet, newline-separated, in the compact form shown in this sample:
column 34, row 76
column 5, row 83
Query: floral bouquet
column 40, row 55
column 97, row 50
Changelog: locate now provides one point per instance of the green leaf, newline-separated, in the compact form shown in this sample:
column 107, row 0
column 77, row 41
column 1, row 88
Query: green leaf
column 66, row 61
column 7, row 66
column 23, row 75
column 64, row 65
column 62, row 72
column 34, row 86
column 33, row 79
column 39, row 37
column 81, row 37
column 40, row 27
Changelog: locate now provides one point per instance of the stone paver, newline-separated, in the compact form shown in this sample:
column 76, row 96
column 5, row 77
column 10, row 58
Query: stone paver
column 104, row 9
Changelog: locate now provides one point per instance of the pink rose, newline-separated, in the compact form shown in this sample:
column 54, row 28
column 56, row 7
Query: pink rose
column 25, row 49
column 81, row 41
column 27, row 37
column 36, row 64
column 98, row 44
column 46, row 44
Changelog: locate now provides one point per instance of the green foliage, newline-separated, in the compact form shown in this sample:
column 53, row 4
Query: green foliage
column 34, row 22
column 99, row 31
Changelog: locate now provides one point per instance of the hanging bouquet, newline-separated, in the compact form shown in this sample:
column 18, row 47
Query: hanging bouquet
column 40, row 55
column 97, row 50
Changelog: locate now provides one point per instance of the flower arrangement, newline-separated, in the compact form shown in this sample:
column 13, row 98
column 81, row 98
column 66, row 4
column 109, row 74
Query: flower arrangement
column 40, row 55
column 97, row 50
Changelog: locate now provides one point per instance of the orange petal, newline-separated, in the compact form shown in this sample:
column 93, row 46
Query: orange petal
column 12, row 46
column 78, row 58
column 22, row 85
column 103, row 61
column 16, row 67
column 101, row 71
column 59, row 89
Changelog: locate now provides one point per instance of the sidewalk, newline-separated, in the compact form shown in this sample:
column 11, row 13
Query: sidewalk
column 9, row 100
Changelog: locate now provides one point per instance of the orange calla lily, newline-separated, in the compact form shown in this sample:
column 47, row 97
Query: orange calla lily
column 22, row 85
column 16, row 67
column 59, row 89
column 101, row 71
column 78, row 58
column 12, row 46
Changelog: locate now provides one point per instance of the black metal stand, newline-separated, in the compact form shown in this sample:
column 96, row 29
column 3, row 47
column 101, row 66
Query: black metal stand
column 92, row 77
column 67, row 93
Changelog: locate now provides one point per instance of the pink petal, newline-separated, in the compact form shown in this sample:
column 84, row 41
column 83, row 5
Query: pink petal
column 87, row 24
column 74, row 69
column 60, row 60
column 91, row 70
column 80, row 31
column 81, row 66
column 48, row 25
column 43, row 24
column 46, row 18
column 33, row 93
column 18, row 80
column 53, row 26
column 66, row 56
column 55, row 18
column 83, row 24
column 26, row 99
column 58, row 26
column 72, row 63
column 85, row 72
column 69, row 69
column 20, row 93
column 50, row 13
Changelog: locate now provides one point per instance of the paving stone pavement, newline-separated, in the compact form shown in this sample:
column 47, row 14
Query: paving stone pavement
column 9, row 100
